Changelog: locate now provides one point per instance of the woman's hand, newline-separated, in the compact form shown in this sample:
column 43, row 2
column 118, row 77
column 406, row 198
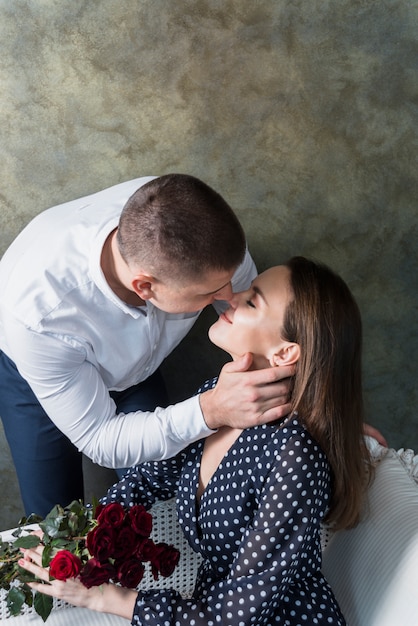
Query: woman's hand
column 72, row 590
column 107, row 598
column 370, row 431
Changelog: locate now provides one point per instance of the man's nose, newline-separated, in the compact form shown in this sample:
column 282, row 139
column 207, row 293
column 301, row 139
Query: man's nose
column 225, row 293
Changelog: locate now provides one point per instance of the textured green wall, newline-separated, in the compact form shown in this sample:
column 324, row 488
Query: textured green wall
column 302, row 114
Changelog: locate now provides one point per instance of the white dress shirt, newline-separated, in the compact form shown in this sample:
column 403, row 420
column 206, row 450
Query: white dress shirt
column 72, row 339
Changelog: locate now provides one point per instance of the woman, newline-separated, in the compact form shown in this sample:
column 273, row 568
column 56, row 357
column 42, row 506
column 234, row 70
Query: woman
column 251, row 502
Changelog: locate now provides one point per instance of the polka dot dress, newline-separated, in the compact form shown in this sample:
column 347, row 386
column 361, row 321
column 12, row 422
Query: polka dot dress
column 257, row 528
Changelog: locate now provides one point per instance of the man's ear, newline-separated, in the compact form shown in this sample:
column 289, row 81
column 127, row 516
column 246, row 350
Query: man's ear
column 287, row 354
column 142, row 285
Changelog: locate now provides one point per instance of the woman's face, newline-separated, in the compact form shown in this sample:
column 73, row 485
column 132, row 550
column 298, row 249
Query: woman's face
column 254, row 320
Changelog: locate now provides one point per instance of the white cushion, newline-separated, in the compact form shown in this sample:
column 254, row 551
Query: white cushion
column 373, row 568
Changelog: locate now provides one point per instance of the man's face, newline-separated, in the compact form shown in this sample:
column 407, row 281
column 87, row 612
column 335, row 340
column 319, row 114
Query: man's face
column 194, row 296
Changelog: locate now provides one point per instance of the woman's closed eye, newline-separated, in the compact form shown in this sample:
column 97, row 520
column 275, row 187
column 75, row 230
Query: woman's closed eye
column 250, row 303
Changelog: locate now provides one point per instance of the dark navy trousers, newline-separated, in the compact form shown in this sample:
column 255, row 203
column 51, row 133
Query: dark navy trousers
column 48, row 465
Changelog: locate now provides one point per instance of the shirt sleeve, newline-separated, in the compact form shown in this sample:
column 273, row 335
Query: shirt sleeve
column 147, row 483
column 74, row 396
column 278, row 548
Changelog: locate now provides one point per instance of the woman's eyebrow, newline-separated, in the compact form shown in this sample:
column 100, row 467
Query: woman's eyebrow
column 258, row 291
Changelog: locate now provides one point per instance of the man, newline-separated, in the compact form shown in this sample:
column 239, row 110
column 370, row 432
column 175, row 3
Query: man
column 94, row 294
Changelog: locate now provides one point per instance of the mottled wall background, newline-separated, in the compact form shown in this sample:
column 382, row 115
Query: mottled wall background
column 302, row 114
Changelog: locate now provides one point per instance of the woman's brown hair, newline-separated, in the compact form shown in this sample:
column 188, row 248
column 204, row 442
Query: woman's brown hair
column 324, row 319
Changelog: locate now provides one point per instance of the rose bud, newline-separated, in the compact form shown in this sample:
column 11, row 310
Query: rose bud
column 164, row 560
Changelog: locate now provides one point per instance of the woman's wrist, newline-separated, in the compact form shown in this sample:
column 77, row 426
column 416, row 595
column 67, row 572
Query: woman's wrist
column 113, row 599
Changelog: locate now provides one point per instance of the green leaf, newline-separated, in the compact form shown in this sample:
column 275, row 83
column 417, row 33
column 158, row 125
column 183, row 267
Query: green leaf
column 28, row 595
column 95, row 502
column 69, row 545
column 53, row 527
column 61, row 543
column 33, row 518
column 24, row 576
column 29, row 541
column 15, row 601
column 42, row 605
column 54, row 522
column 76, row 506
column 56, row 511
column 46, row 556
column 73, row 523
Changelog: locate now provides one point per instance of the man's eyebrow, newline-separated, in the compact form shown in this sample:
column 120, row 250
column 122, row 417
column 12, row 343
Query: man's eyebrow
column 210, row 293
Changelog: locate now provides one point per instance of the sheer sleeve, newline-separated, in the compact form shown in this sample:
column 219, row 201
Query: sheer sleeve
column 279, row 551
column 147, row 483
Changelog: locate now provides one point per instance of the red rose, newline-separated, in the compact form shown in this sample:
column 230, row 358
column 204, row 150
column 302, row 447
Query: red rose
column 100, row 542
column 111, row 514
column 65, row 565
column 141, row 520
column 145, row 549
column 164, row 560
column 95, row 573
column 130, row 573
column 125, row 542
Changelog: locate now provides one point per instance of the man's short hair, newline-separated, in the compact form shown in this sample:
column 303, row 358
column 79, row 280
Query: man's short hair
column 178, row 227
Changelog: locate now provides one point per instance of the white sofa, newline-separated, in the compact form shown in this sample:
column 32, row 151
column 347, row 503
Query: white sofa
column 372, row 568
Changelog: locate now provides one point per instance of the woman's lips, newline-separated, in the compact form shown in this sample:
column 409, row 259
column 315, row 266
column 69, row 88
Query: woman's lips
column 225, row 318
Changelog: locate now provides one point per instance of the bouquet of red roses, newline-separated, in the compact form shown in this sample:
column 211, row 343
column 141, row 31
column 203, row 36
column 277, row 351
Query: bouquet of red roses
column 102, row 544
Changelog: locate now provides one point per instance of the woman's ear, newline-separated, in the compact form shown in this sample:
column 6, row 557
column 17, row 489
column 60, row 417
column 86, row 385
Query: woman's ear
column 288, row 354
